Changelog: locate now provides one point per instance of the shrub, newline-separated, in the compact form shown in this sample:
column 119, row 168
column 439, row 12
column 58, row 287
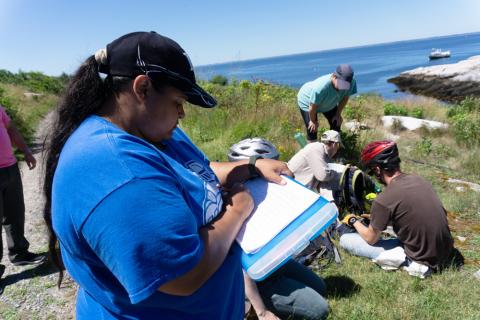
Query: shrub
column 35, row 81
column 465, row 121
column 391, row 109
column 14, row 114
column 424, row 147
column 417, row 112
column 220, row 80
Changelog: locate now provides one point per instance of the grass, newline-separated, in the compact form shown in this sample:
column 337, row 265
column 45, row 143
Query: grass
column 357, row 289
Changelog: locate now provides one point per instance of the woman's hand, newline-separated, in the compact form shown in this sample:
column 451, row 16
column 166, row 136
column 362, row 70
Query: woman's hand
column 239, row 200
column 271, row 170
column 312, row 126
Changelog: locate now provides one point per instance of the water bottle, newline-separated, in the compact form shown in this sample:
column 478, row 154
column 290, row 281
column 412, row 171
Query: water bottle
column 300, row 139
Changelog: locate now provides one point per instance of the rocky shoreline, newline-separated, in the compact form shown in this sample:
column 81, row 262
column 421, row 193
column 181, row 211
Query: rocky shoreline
column 449, row 82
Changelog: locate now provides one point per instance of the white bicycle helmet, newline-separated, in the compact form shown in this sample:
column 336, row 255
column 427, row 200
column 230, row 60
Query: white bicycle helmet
column 252, row 147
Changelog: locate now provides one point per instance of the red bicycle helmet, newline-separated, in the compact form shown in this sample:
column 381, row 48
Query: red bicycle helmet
column 382, row 153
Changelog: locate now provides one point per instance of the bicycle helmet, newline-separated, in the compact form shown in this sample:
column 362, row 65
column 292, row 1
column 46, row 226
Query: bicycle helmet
column 380, row 153
column 252, row 147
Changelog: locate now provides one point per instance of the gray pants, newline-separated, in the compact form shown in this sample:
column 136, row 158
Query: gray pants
column 354, row 243
column 294, row 292
column 12, row 211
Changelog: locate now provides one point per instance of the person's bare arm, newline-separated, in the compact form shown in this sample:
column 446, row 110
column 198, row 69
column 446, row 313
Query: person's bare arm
column 229, row 173
column 369, row 234
column 217, row 238
column 252, row 293
column 17, row 139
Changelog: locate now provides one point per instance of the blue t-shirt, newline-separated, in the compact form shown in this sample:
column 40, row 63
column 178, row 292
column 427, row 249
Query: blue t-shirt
column 127, row 215
column 322, row 93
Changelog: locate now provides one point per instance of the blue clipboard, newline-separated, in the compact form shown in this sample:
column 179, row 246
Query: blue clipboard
column 290, row 241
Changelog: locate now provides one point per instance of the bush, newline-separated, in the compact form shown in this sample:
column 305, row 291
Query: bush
column 220, row 80
column 14, row 114
column 35, row 81
column 424, row 147
column 465, row 121
column 417, row 112
column 391, row 109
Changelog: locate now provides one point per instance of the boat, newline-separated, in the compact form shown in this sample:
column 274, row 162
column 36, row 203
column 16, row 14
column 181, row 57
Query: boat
column 438, row 54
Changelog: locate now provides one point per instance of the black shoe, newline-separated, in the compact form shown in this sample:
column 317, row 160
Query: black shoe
column 2, row 270
column 28, row 258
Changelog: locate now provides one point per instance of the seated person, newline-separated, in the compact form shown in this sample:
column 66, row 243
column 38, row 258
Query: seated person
column 292, row 292
column 410, row 204
column 310, row 164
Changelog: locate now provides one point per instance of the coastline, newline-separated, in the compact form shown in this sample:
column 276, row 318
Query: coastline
column 447, row 82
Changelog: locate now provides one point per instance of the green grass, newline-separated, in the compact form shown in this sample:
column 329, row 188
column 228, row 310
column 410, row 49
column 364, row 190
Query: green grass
column 358, row 289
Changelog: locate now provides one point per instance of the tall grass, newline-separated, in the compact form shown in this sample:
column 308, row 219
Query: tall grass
column 357, row 288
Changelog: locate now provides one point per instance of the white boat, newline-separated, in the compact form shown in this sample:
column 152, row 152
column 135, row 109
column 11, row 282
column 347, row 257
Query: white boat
column 438, row 53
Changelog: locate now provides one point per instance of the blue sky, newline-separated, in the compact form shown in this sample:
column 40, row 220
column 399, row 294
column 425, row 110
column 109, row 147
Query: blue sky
column 55, row 36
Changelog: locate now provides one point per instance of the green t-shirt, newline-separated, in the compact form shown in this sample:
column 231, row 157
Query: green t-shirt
column 322, row 93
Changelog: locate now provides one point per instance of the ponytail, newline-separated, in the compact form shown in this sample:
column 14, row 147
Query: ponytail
column 84, row 96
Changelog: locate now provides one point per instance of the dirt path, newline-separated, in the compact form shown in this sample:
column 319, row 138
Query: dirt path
column 31, row 292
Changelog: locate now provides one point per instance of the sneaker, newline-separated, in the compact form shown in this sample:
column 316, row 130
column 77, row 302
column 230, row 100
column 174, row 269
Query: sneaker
column 28, row 258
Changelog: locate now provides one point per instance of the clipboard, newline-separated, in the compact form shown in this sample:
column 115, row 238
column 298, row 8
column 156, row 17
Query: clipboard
column 291, row 240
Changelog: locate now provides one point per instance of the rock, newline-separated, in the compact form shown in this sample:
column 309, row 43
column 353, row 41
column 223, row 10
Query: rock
column 32, row 94
column 410, row 123
column 391, row 136
column 473, row 186
column 450, row 82
column 355, row 126
column 477, row 274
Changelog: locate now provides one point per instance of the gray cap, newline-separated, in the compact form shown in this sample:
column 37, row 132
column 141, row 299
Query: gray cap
column 331, row 136
column 344, row 74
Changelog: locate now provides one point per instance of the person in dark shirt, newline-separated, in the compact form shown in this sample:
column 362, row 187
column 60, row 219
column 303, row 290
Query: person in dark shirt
column 411, row 206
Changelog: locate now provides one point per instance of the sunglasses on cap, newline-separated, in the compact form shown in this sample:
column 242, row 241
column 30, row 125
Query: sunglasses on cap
column 157, row 73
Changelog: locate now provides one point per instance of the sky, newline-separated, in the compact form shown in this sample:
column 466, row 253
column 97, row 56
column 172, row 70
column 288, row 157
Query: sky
column 55, row 36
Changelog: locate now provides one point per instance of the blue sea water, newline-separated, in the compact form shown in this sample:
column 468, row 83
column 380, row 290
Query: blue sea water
column 373, row 64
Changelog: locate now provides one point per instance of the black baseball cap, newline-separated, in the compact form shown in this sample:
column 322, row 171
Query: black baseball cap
column 160, row 58
column 344, row 75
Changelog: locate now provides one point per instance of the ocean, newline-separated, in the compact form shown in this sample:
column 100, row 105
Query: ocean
column 373, row 64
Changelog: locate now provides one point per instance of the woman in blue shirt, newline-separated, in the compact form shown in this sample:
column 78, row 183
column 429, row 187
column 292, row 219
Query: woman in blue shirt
column 144, row 221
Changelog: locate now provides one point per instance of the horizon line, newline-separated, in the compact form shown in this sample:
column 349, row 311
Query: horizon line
column 332, row 49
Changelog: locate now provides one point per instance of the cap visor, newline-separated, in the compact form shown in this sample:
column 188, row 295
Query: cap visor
column 197, row 96
column 342, row 84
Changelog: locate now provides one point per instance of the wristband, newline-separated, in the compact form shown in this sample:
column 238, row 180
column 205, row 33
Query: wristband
column 352, row 220
column 252, row 170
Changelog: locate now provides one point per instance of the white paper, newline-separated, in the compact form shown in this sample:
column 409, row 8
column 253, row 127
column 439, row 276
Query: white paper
column 276, row 206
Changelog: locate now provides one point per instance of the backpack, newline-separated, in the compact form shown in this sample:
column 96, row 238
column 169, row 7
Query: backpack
column 355, row 192
column 321, row 251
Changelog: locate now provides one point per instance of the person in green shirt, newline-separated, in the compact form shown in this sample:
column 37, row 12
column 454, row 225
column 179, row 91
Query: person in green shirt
column 327, row 94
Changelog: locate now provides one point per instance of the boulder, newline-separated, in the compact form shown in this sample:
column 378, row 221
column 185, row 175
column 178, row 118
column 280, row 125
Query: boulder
column 449, row 82
column 411, row 123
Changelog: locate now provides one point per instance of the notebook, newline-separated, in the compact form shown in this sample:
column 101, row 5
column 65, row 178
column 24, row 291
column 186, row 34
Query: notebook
column 276, row 206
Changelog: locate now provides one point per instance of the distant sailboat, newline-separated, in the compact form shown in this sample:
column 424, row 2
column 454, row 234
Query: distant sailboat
column 438, row 54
